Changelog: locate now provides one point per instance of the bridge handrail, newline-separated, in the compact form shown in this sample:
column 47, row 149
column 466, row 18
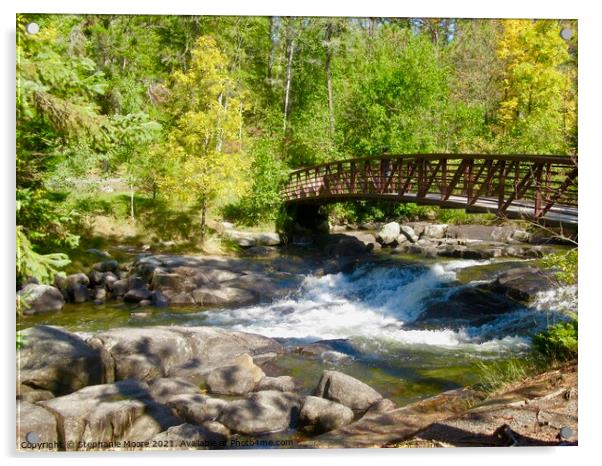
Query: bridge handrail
column 567, row 160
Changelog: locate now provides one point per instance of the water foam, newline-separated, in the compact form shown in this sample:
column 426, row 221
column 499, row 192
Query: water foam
column 375, row 302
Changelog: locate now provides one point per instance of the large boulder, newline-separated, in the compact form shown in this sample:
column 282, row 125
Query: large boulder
column 267, row 239
column 53, row 359
column 388, row 234
column 324, row 415
column 191, row 437
column 34, row 299
column 283, row 383
column 188, row 352
column 344, row 389
column 108, row 413
column 409, row 233
column 435, row 231
column 236, row 379
column 136, row 295
column 261, row 412
column 196, row 408
column 165, row 389
column 524, row 283
column 223, row 296
column 36, row 428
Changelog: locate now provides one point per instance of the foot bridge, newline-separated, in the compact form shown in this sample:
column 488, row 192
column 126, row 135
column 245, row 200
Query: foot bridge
column 537, row 188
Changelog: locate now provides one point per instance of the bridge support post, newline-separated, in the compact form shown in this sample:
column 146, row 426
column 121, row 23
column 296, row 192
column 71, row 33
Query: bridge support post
column 299, row 220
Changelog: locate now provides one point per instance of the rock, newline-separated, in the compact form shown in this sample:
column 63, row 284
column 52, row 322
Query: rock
column 187, row 352
column 236, row 379
column 162, row 279
column 164, row 389
column 111, row 412
column 388, row 233
column 36, row 428
column 137, row 295
column 107, row 266
column 79, row 293
column 145, row 302
column 524, row 283
column 158, row 299
column 119, row 287
column 96, row 278
column 109, row 278
column 344, row 389
column 261, row 251
column 34, row 299
column 283, row 383
column 100, row 295
column 521, row 235
column 77, row 279
column 135, row 283
column 267, row 239
column 188, row 436
column 324, row 415
column 435, row 231
column 380, row 407
column 99, row 253
column 261, row 413
column 224, row 295
column 409, row 233
column 53, row 359
column 196, row 408
column 25, row 393
column 401, row 239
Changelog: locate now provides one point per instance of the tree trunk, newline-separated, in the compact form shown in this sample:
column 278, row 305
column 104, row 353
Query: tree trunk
column 203, row 220
column 272, row 48
column 289, row 66
column 132, row 202
column 329, row 78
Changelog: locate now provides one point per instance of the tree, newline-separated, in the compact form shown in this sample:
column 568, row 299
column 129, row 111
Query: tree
column 204, row 148
column 537, row 111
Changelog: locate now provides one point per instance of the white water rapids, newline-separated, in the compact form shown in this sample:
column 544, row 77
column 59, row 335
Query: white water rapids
column 377, row 303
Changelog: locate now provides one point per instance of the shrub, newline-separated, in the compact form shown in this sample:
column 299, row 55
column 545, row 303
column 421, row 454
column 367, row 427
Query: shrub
column 559, row 342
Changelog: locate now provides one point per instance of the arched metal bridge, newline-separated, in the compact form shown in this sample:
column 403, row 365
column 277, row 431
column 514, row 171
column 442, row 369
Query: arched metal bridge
column 534, row 187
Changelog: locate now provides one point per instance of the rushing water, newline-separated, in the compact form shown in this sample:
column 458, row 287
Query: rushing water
column 372, row 321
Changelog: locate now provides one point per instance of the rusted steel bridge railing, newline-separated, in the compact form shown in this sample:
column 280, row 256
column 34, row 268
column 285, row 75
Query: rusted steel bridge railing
column 509, row 185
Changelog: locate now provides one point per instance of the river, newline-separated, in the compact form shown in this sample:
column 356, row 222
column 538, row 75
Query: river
column 408, row 328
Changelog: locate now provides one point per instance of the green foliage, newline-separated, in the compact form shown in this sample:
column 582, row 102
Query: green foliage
column 559, row 342
column 565, row 264
column 31, row 264
column 262, row 202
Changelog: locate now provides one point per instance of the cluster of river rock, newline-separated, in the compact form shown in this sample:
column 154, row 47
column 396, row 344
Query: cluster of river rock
column 141, row 388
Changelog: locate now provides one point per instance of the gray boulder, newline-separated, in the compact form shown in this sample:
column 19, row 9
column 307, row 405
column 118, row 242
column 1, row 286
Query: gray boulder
column 36, row 428
column 344, row 389
column 236, row 379
column 119, row 287
column 388, row 234
column 34, row 299
column 283, row 383
column 111, row 412
column 79, row 293
column 107, row 266
column 158, row 299
column 53, row 359
column 187, row 352
column 436, row 231
column 136, row 295
column 267, row 239
column 524, row 283
column 191, row 437
column 409, row 233
column 165, row 389
column 324, row 415
column 196, row 408
column 224, row 295
column 261, row 412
